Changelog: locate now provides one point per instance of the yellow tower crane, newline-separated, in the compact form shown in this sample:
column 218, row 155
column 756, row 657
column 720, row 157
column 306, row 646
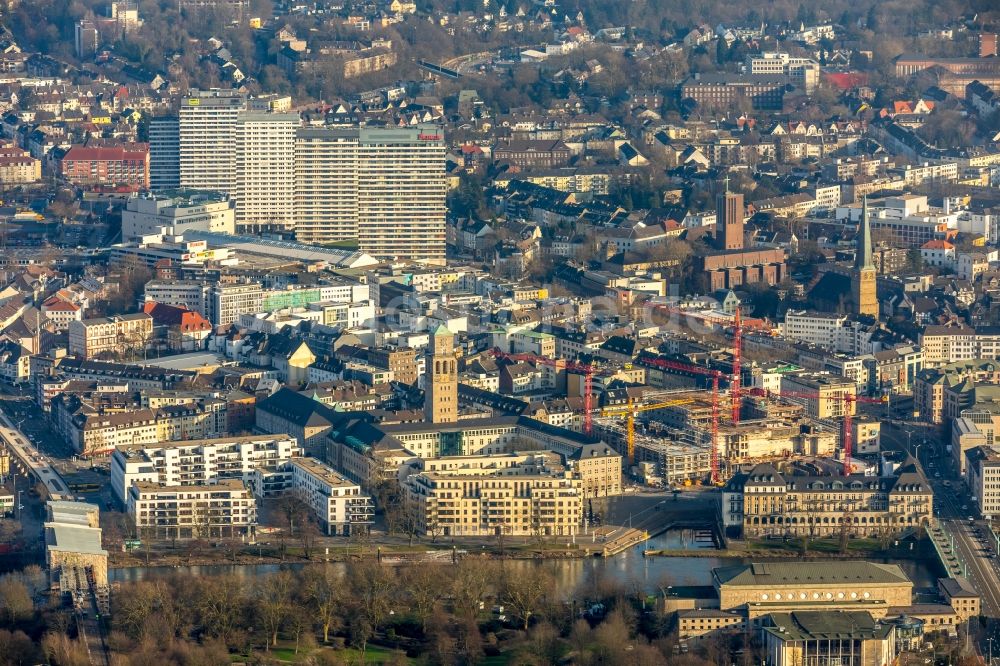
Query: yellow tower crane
column 631, row 411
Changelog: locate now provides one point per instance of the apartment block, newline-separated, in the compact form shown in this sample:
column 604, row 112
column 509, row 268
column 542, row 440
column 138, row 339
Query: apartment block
column 164, row 153
column 226, row 302
column 474, row 503
column 226, row 508
column 339, row 504
column 384, row 188
column 18, row 166
column 107, row 165
column 110, row 335
column 823, row 395
column 265, row 180
column 204, row 461
column 207, row 139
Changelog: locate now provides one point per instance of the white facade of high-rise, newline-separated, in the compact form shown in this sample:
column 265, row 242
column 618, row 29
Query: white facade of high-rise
column 265, row 173
column 384, row 188
column 326, row 185
column 207, row 139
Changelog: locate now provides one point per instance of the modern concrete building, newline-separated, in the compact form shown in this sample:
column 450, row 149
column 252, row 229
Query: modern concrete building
column 824, row 395
column 195, row 462
column 207, row 139
column 339, row 504
column 225, row 508
column 164, row 153
column 178, row 211
column 800, row 72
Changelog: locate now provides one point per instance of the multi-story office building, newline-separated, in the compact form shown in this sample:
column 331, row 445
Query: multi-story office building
column 823, row 395
column 117, row 335
column 226, row 508
column 193, row 462
column 265, row 179
column 382, row 187
column 179, row 211
column 226, row 302
column 801, row 72
column 338, row 502
column 164, row 153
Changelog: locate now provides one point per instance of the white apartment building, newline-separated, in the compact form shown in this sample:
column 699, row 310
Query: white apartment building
column 475, row 502
column 223, row 509
column 118, row 334
column 802, row 72
column 383, row 187
column 178, row 211
column 207, row 139
column 265, row 182
column 204, row 461
column 947, row 344
column 338, row 502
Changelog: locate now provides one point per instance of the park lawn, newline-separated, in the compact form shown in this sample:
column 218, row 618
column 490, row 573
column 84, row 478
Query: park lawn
column 817, row 545
column 375, row 654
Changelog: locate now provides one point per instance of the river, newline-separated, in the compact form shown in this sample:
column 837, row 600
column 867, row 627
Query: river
column 572, row 575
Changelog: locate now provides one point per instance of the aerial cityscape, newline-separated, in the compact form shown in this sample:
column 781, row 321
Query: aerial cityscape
column 499, row 332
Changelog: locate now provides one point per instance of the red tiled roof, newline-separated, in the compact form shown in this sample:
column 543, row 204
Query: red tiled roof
column 56, row 304
column 104, row 154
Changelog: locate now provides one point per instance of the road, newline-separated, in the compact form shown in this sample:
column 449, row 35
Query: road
column 31, row 459
column 972, row 545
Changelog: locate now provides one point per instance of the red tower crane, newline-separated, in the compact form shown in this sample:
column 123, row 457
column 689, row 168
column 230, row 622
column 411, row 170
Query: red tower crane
column 737, row 325
column 848, row 424
column 715, row 375
column 574, row 366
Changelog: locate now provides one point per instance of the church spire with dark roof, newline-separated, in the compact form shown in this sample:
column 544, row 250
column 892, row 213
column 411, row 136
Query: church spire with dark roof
column 863, row 256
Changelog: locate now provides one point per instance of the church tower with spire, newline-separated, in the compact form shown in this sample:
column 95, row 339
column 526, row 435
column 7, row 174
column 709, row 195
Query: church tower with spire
column 863, row 295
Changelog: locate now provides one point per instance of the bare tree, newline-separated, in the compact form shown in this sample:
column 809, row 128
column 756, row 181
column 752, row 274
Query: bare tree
column 323, row 591
column 472, row 581
column 273, row 601
column 425, row 587
column 524, row 594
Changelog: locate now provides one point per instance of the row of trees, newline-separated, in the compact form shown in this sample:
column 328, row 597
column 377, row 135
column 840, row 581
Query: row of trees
column 441, row 613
